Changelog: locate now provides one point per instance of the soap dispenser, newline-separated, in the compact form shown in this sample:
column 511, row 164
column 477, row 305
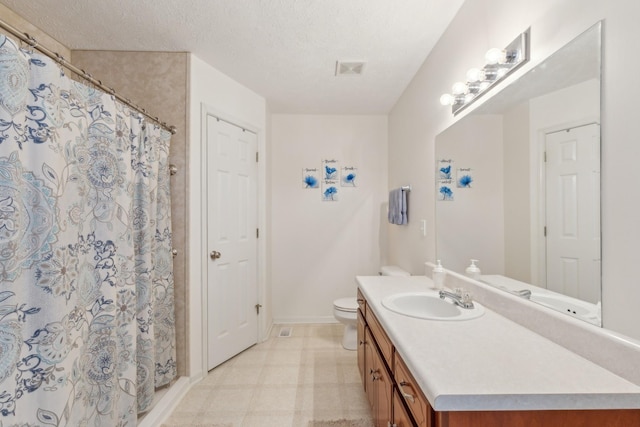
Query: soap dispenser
column 438, row 274
column 473, row 271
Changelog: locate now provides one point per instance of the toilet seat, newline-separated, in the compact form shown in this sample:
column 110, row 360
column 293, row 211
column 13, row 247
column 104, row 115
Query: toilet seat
column 345, row 310
column 349, row 305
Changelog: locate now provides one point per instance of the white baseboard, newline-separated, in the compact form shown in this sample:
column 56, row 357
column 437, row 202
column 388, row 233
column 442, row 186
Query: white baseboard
column 166, row 404
column 267, row 333
column 304, row 320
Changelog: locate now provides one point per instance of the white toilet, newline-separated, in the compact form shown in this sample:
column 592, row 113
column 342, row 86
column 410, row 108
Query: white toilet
column 345, row 310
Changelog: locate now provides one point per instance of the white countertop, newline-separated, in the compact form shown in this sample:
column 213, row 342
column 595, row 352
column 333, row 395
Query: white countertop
column 492, row 363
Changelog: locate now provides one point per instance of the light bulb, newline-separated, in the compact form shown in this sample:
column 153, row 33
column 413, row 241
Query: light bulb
column 474, row 75
column 502, row 72
column 446, row 99
column 495, row 56
column 484, row 85
column 459, row 88
column 468, row 98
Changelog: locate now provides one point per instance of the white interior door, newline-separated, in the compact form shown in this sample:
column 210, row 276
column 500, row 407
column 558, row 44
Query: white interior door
column 573, row 212
column 232, row 289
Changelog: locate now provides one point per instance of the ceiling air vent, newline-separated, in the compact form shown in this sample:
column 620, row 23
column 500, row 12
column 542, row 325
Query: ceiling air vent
column 351, row 68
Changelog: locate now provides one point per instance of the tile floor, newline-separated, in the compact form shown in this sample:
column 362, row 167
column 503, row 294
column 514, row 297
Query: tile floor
column 280, row 382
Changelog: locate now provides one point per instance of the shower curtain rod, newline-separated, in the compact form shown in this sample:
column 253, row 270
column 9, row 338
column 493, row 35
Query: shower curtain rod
column 31, row 41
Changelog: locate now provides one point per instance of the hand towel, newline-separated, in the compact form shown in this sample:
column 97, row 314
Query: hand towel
column 397, row 213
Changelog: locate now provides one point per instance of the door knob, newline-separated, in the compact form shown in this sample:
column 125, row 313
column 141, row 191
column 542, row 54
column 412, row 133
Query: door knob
column 215, row 254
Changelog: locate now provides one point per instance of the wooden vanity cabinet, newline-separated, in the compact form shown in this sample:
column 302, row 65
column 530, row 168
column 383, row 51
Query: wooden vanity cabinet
column 397, row 400
column 563, row 418
column 375, row 361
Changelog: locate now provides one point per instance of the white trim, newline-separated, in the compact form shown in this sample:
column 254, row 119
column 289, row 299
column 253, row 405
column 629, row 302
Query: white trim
column 209, row 86
column 303, row 320
column 208, row 110
column 267, row 333
column 163, row 408
column 538, row 191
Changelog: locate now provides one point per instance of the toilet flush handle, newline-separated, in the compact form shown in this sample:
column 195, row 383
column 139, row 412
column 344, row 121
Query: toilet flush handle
column 215, row 255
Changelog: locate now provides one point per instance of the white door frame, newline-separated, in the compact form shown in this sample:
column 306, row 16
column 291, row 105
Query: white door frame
column 538, row 190
column 207, row 110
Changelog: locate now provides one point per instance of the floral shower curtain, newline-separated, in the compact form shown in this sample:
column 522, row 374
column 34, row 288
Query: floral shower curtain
column 86, row 270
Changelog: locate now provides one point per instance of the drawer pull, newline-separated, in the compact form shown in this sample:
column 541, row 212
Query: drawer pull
column 360, row 301
column 407, row 396
column 362, row 342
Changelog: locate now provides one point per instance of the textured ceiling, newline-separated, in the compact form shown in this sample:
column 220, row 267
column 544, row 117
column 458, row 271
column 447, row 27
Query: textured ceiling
column 284, row 50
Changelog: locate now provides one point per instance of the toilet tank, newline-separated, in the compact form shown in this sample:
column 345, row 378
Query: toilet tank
column 392, row 270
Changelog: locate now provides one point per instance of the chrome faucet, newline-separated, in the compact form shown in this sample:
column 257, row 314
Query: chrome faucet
column 524, row 293
column 460, row 298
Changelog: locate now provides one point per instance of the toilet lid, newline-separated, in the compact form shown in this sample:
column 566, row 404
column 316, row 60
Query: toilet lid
column 346, row 304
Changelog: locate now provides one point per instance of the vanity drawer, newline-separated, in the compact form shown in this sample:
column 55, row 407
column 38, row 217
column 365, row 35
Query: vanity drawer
column 362, row 303
column 384, row 343
column 401, row 417
column 410, row 393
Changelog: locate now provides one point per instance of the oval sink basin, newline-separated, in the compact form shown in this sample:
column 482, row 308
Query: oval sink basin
column 428, row 305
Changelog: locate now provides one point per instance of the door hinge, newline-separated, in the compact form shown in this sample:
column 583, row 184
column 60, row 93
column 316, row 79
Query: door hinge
column 545, row 157
column 257, row 233
column 545, row 231
column 258, row 306
column 257, row 156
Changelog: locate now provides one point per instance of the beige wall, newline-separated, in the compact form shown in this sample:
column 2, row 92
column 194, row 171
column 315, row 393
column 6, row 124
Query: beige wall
column 19, row 23
column 157, row 81
column 418, row 117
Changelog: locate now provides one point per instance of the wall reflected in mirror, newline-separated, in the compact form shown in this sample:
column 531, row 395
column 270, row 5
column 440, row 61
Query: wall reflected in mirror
column 528, row 207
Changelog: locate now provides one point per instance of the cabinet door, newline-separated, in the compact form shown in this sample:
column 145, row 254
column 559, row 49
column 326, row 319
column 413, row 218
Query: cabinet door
column 369, row 377
column 384, row 388
column 361, row 347
column 400, row 416
column 378, row 382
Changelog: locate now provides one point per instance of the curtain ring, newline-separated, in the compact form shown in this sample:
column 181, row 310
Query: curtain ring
column 173, row 130
column 24, row 45
column 31, row 40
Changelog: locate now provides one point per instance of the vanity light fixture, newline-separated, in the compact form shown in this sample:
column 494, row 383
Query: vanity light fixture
column 499, row 64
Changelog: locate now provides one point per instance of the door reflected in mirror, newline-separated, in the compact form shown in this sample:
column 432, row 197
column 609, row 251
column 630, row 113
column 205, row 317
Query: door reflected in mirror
column 531, row 212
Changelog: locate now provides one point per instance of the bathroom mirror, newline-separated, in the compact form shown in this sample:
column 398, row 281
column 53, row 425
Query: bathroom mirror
column 518, row 184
